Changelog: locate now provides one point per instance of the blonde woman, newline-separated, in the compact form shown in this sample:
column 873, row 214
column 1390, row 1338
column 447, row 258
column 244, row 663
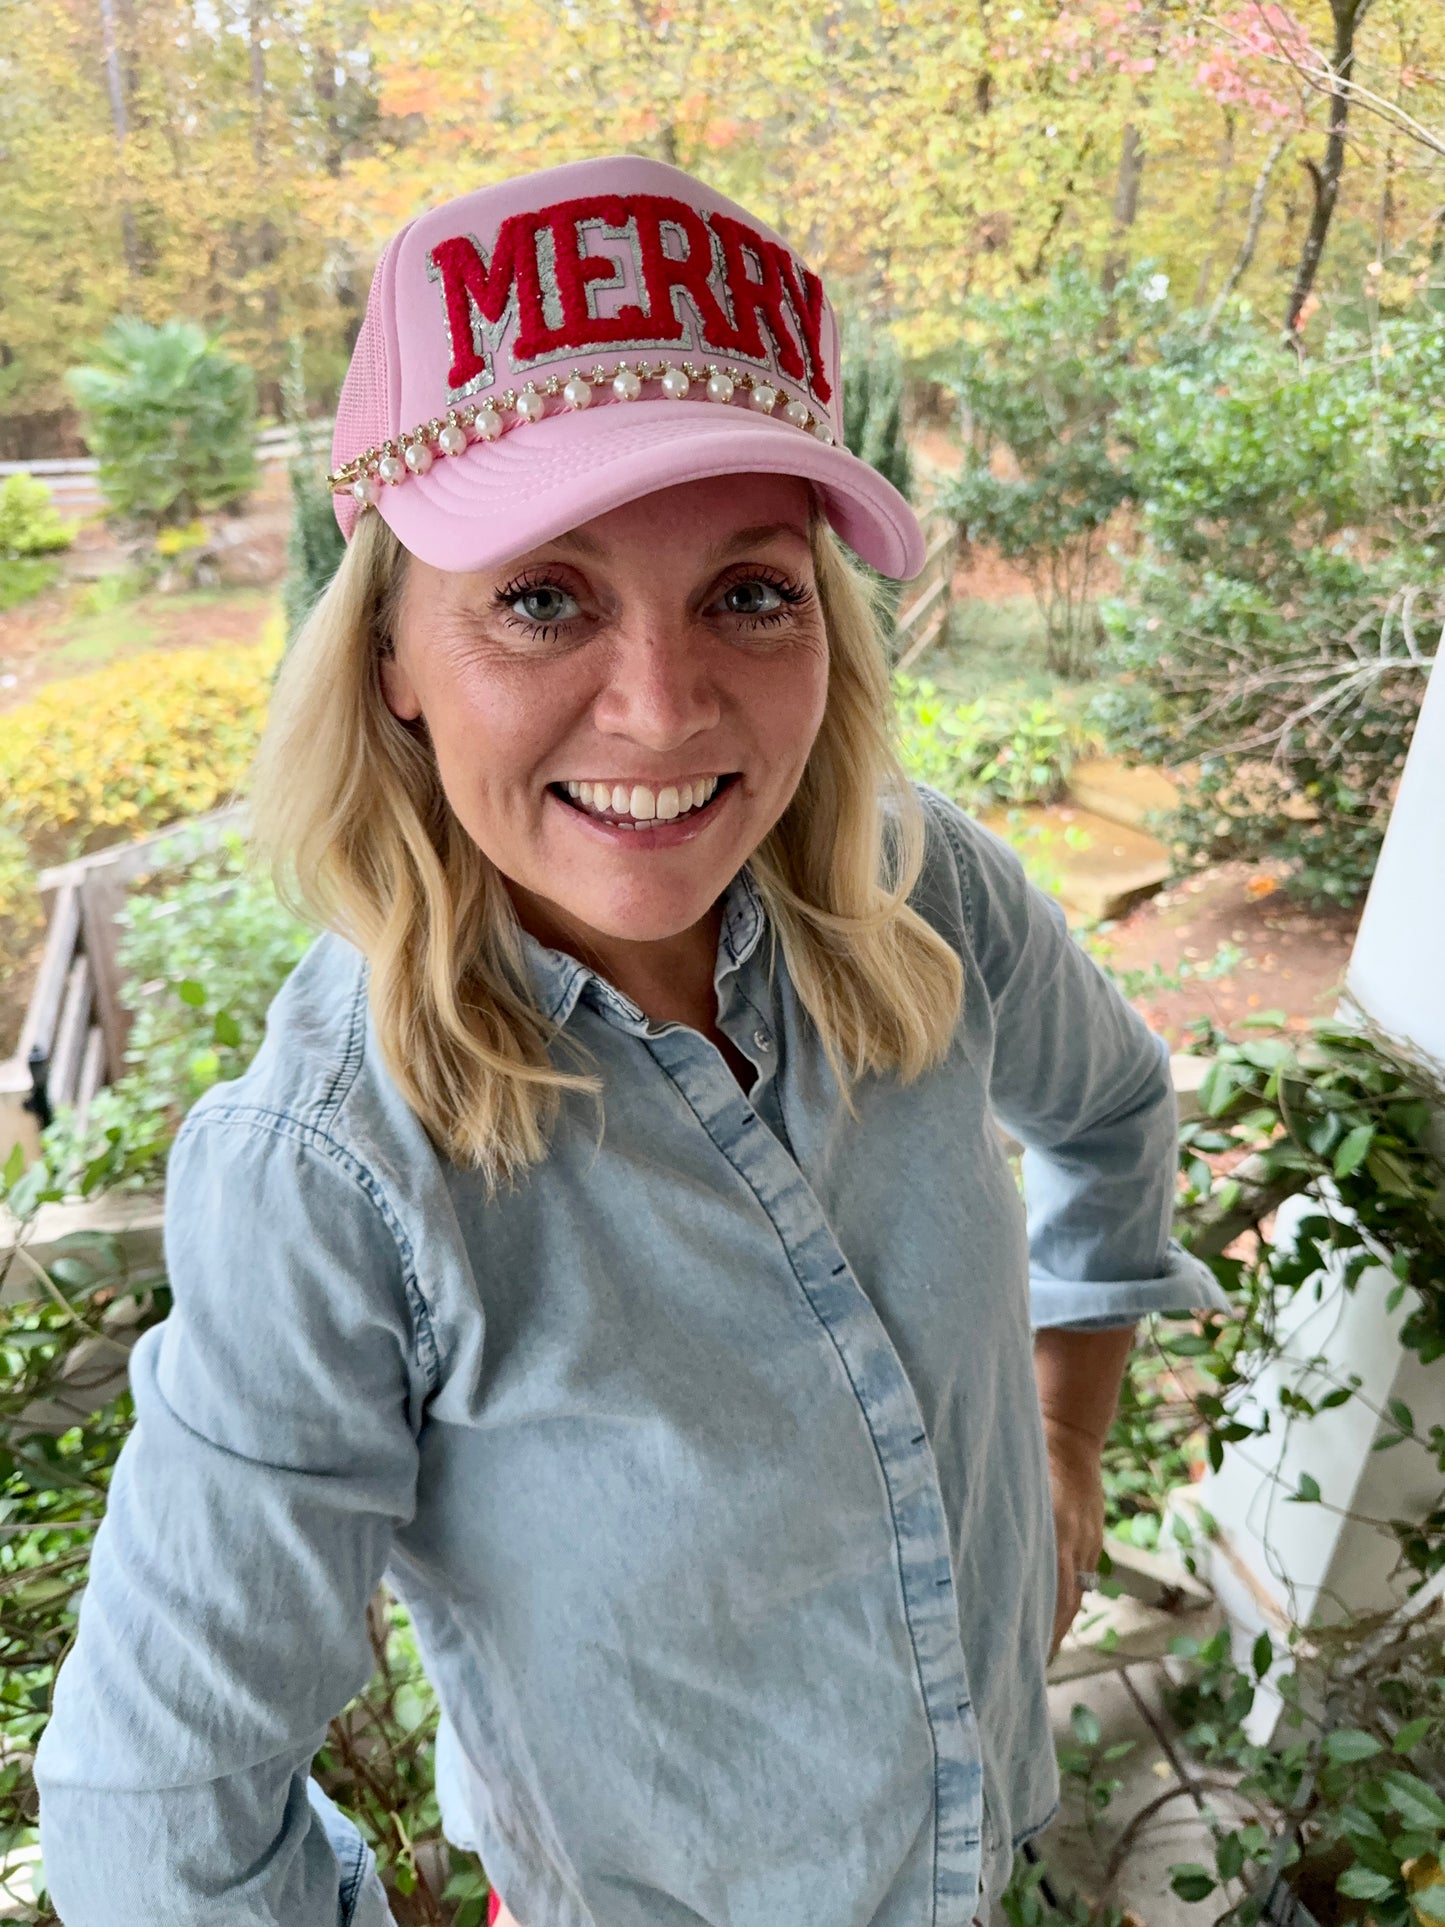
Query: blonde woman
column 613, row 1245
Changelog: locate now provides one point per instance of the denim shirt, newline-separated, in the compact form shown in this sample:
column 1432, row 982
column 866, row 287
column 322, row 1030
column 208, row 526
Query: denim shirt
column 707, row 1460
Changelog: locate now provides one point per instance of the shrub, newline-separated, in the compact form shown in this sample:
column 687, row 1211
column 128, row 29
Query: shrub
column 171, row 418
column 96, row 759
column 314, row 543
column 29, row 524
column 1040, row 377
column 192, row 1024
column 1279, row 618
column 873, row 402
column 1007, row 749
column 30, row 530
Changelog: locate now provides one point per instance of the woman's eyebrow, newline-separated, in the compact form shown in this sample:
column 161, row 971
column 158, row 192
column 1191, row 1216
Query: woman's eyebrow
column 754, row 538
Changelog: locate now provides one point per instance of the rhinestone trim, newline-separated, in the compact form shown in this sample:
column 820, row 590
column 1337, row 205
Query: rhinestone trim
column 364, row 475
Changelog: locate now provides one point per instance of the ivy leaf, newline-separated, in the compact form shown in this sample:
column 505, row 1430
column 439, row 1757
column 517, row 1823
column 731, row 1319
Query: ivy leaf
column 1192, row 1882
column 1263, row 1655
column 14, row 1164
column 1085, row 1723
column 1417, row 1804
column 1361, row 1884
column 1351, row 1743
column 1309, row 1490
column 1229, row 1856
column 1411, row 1734
column 1402, row 1415
column 225, row 1029
column 1353, row 1150
column 190, row 992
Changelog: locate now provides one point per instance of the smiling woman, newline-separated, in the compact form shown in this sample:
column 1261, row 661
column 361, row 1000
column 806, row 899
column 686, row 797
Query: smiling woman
column 612, row 1245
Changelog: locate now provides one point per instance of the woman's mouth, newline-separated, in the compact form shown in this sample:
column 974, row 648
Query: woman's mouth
column 643, row 806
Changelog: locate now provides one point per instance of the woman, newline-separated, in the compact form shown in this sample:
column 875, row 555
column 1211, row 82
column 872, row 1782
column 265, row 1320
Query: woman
column 612, row 1244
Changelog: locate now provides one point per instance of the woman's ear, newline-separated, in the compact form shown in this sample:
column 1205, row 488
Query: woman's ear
column 399, row 690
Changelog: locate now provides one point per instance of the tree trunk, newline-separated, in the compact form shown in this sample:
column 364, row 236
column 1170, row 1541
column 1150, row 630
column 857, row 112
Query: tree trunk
column 1348, row 15
column 1126, row 198
column 1251, row 234
column 120, row 122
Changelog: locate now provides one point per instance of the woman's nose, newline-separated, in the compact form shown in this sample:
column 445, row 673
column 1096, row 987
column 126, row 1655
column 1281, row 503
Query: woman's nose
column 658, row 690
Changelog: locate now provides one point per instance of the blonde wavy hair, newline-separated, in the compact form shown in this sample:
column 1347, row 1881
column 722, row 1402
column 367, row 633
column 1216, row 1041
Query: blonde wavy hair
column 349, row 818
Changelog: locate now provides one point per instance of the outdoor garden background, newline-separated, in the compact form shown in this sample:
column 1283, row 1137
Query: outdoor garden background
column 1145, row 306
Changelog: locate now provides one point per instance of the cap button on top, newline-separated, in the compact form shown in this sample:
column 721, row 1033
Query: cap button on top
column 762, row 1039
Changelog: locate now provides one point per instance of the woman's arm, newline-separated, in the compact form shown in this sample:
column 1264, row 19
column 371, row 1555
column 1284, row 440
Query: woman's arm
column 250, row 1517
column 1078, row 1374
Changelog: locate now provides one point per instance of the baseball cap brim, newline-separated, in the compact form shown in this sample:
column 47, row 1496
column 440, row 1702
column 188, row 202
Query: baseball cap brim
column 499, row 499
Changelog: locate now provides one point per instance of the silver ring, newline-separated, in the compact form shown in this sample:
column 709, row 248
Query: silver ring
column 1087, row 1581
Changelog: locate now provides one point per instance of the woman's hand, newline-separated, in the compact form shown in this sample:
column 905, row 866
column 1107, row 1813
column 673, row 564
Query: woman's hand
column 1077, row 1483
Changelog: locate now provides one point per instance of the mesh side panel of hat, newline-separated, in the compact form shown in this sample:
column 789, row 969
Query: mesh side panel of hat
column 363, row 409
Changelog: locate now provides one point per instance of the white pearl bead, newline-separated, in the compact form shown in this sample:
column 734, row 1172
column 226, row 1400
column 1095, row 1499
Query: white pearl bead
column 488, row 423
column 719, row 387
column 797, row 413
column 365, row 490
column 626, row 385
column 391, row 468
column 530, row 406
column 764, row 397
column 577, row 393
column 418, row 458
column 675, row 384
column 453, row 439
column 822, row 431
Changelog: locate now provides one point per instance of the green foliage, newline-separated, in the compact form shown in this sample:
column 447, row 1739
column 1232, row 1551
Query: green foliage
column 1040, row 378
column 1351, row 1781
column 873, row 402
column 314, row 546
column 192, row 1026
column 171, row 418
column 29, row 525
column 1278, row 621
column 1006, row 750
column 30, row 530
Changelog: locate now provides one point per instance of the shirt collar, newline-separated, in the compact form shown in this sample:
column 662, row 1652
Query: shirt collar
column 561, row 980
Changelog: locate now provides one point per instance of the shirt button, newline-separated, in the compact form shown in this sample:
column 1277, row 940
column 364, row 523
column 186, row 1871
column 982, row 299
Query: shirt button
column 762, row 1039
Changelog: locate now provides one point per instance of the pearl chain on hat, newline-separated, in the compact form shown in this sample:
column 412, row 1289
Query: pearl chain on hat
column 414, row 452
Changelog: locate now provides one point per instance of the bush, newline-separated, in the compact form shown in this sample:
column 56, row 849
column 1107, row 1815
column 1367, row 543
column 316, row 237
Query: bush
column 192, row 1025
column 29, row 524
column 1008, row 749
column 96, row 759
column 873, row 402
column 1278, row 620
column 1040, row 377
column 314, row 543
column 172, row 420
column 30, row 530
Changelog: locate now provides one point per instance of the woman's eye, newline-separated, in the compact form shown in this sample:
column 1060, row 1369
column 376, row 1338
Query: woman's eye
column 545, row 603
column 753, row 598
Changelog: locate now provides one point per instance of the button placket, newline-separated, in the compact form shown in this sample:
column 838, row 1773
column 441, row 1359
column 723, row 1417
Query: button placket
column 889, row 1409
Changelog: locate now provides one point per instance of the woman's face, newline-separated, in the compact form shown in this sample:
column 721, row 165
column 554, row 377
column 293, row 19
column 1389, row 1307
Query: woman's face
column 620, row 716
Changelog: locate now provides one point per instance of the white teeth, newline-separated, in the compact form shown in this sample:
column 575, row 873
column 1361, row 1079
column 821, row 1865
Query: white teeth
column 639, row 801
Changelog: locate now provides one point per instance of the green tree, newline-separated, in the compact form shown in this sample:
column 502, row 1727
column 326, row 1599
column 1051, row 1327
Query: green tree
column 172, row 419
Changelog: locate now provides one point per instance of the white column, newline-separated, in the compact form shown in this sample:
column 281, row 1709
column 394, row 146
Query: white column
column 1275, row 1561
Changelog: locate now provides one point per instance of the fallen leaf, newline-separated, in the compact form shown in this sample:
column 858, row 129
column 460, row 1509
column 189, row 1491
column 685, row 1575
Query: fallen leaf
column 1261, row 886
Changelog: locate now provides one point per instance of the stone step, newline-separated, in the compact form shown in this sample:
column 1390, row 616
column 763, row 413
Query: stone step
column 1097, row 868
column 1126, row 793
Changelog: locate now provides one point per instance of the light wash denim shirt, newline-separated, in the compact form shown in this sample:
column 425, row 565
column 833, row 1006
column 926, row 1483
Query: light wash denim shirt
column 708, row 1460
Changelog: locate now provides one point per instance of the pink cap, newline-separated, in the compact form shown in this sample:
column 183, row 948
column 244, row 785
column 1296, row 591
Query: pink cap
column 544, row 350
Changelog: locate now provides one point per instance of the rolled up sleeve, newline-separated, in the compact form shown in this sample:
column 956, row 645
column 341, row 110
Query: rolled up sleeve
column 250, row 1516
column 1084, row 1085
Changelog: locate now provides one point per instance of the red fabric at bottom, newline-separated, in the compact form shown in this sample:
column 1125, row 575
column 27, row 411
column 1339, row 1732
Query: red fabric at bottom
column 494, row 1906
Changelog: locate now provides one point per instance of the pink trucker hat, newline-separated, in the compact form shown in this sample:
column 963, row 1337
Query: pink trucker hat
column 538, row 352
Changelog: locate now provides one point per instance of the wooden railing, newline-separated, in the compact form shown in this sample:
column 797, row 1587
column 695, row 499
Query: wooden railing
column 925, row 620
column 74, row 1034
